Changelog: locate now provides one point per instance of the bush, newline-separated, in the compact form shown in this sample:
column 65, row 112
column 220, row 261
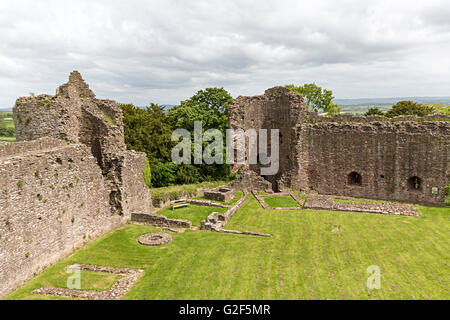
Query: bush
column 147, row 173
column 374, row 112
column 163, row 174
column 7, row 132
column 187, row 174
column 409, row 108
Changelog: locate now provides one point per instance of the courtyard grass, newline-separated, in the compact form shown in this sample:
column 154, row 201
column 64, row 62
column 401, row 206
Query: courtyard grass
column 7, row 139
column 281, row 202
column 193, row 213
column 305, row 259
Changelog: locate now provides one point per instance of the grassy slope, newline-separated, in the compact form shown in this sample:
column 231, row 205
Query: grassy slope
column 304, row 259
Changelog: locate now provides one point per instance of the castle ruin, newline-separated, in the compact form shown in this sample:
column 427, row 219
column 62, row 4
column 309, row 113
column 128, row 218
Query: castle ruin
column 67, row 179
column 406, row 158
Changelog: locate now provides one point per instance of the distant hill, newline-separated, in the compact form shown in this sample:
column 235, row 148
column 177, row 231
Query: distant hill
column 389, row 101
column 354, row 105
column 358, row 106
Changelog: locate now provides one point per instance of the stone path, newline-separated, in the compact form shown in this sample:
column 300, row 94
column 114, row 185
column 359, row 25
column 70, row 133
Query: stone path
column 117, row 291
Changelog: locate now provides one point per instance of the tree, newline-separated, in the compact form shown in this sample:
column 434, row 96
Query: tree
column 163, row 174
column 409, row 108
column 374, row 111
column 148, row 130
column 439, row 108
column 317, row 98
column 210, row 106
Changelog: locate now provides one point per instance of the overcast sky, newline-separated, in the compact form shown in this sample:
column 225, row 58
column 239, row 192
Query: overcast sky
column 164, row 51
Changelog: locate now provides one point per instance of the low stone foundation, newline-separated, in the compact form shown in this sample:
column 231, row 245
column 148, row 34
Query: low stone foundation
column 327, row 202
column 219, row 194
column 155, row 239
column 118, row 290
column 208, row 203
column 158, row 220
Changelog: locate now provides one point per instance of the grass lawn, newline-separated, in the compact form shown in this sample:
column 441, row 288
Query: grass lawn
column 194, row 213
column 237, row 196
column 281, row 202
column 8, row 139
column 303, row 260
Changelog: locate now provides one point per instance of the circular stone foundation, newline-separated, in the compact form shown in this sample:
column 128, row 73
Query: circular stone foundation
column 155, row 239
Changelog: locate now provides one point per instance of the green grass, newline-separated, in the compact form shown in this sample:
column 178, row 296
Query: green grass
column 358, row 201
column 8, row 139
column 237, row 196
column 303, row 260
column 281, row 202
column 193, row 213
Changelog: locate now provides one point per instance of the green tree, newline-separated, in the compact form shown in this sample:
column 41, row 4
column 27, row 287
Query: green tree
column 439, row 108
column 148, row 130
column 374, row 111
column 210, row 106
column 409, row 108
column 163, row 174
column 317, row 98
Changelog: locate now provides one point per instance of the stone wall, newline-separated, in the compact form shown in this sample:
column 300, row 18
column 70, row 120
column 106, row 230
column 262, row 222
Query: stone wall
column 68, row 179
column 403, row 158
column 384, row 155
column 51, row 201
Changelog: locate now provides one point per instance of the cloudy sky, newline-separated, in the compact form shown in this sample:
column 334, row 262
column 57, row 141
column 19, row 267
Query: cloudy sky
column 164, row 51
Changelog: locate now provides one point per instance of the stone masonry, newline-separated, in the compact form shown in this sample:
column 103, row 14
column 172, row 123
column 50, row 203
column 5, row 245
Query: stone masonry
column 67, row 180
column 403, row 158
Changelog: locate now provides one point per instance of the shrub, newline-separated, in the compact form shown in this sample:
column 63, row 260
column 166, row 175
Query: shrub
column 409, row 108
column 163, row 174
column 374, row 112
column 187, row 174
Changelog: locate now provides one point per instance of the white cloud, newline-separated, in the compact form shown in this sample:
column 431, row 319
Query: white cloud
column 163, row 51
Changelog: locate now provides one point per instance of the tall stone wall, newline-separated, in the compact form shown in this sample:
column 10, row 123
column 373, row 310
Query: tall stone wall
column 279, row 109
column 68, row 179
column 386, row 157
column 404, row 158
column 51, row 201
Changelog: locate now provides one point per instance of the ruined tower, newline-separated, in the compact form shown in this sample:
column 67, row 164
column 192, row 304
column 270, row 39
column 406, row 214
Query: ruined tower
column 405, row 158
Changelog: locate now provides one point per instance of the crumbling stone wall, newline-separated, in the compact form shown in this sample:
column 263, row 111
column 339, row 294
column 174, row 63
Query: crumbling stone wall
column 405, row 158
column 279, row 109
column 68, row 179
column 50, row 202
